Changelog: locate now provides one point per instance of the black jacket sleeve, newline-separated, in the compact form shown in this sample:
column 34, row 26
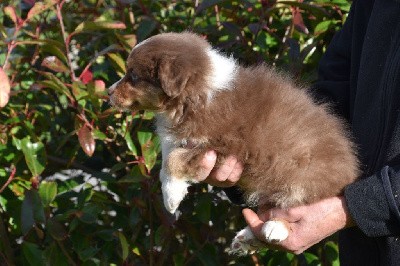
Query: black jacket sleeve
column 374, row 202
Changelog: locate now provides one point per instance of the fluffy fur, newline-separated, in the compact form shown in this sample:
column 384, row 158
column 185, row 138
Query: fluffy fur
column 294, row 151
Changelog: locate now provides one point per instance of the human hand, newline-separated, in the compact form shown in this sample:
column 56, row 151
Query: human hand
column 308, row 224
column 225, row 175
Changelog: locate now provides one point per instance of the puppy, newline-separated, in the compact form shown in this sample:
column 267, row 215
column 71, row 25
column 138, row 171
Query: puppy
column 294, row 151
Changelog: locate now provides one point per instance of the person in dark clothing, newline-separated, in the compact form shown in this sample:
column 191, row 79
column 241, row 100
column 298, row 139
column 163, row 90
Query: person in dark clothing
column 360, row 75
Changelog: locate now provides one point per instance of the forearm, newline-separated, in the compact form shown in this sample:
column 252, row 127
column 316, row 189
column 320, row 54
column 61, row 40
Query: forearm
column 374, row 202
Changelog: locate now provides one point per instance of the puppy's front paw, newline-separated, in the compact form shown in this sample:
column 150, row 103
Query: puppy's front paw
column 275, row 231
column 174, row 191
column 245, row 243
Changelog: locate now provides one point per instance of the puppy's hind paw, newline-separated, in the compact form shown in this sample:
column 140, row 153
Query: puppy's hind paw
column 245, row 243
column 275, row 231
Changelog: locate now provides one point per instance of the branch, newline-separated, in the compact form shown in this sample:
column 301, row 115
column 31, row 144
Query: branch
column 66, row 38
column 14, row 169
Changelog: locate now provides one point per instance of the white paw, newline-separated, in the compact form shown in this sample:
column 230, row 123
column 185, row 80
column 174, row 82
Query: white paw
column 245, row 243
column 174, row 191
column 275, row 231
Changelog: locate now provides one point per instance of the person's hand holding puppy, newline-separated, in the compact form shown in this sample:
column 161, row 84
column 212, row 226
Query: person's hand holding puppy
column 226, row 175
column 309, row 224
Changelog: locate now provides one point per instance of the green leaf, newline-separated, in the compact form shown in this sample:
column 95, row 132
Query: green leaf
column 31, row 211
column 35, row 155
column 54, row 255
column 89, row 213
column 11, row 13
column 55, row 83
column 118, row 62
column 97, row 134
column 130, row 144
column 87, row 253
column 47, row 192
column 332, row 253
column 99, row 25
column 203, row 209
column 124, row 245
column 56, row 229
column 40, row 7
column 311, row 259
column 179, row 259
column 150, row 146
column 55, row 64
column 160, row 235
column 32, row 254
column 17, row 143
column 146, row 27
column 208, row 255
column 144, row 137
column 206, row 4
column 324, row 26
column 134, row 176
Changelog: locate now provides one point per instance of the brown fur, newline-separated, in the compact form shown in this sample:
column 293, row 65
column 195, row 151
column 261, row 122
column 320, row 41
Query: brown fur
column 294, row 150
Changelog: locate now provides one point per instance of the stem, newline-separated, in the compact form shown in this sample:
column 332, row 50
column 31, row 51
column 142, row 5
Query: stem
column 66, row 38
column 217, row 16
column 64, row 251
column 111, row 48
column 9, row 179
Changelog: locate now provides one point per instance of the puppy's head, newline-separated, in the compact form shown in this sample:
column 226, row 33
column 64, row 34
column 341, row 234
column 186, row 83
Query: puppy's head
column 161, row 72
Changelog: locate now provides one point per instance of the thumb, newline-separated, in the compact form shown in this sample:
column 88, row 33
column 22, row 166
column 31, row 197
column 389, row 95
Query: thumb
column 254, row 222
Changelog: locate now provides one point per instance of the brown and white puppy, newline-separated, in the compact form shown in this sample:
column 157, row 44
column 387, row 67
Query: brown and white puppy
column 294, row 151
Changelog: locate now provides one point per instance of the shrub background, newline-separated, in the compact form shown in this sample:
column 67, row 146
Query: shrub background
column 78, row 180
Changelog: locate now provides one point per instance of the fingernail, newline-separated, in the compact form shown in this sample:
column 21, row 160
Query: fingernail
column 211, row 156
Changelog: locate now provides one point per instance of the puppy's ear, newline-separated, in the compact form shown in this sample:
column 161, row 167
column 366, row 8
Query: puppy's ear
column 173, row 76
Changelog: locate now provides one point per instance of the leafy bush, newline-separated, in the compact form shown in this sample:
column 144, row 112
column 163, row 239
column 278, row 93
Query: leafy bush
column 78, row 180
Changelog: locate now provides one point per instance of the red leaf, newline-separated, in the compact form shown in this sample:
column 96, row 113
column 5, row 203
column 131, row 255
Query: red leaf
column 10, row 12
column 86, row 76
column 99, row 85
column 297, row 19
column 39, row 7
column 4, row 88
column 86, row 140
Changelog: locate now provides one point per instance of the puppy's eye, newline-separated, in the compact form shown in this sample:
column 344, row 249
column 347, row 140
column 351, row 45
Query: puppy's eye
column 134, row 77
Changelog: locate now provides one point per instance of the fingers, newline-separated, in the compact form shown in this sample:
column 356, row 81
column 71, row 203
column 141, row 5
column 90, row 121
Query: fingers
column 207, row 165
column 256, row 226
column 225, row 175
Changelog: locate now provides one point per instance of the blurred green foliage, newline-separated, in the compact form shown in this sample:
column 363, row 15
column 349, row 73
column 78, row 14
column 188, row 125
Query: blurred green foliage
column 79, row 181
